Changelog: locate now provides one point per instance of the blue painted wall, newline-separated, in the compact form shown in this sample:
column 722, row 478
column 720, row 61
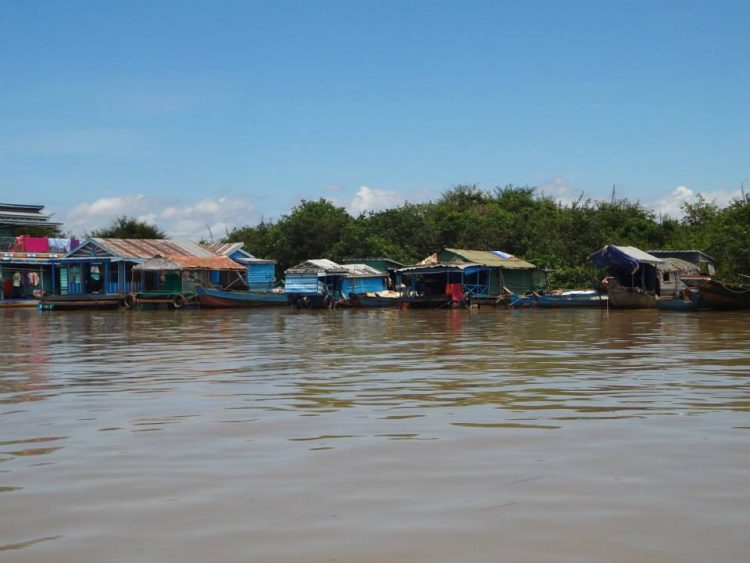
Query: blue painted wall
column 261, row 276
column 363, row 285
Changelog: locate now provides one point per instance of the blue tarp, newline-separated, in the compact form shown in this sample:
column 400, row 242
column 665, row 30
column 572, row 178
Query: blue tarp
column 624, row 257
column 611, row 256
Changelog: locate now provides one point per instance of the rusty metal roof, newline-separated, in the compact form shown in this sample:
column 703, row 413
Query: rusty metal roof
column 225, row 248
column 189, row 263
column 149, row 248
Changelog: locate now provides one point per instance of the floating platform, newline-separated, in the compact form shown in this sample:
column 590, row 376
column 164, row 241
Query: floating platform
column 78, row 302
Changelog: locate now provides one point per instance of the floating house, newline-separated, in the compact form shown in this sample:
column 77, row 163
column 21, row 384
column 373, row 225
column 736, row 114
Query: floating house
column 101, row 271
column 363, row 280
column 385, row 265
column 174, row 280
column 633, row 277
column 105, row 265
column 459, row 276
column 27, row 262
column 704, row 264
column 261, row 274
column 315, row 283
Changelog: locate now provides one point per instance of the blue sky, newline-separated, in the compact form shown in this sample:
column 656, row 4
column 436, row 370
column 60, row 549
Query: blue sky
column 205, row 113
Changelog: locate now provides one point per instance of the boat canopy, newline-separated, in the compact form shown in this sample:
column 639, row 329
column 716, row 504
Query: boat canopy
column 626, row 257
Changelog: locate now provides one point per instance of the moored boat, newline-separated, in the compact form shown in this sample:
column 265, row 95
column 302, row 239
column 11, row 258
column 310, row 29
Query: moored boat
column 630, row 298
column 632, row 276
column 715, row 294
column 561, row 299
column 687, row 300
column 375, row 299
column 217, row 298
column 18, row 303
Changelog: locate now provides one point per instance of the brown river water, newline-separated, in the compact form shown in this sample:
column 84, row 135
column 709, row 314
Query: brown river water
column 371, row 436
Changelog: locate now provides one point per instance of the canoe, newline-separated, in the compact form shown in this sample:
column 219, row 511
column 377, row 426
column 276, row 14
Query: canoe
column 217, row 298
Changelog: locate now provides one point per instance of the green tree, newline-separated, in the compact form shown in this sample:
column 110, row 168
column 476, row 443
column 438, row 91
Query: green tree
column 129, row 227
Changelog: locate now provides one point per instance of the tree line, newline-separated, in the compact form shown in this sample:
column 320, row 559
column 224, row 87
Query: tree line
column 556, row 236
column 513, row 219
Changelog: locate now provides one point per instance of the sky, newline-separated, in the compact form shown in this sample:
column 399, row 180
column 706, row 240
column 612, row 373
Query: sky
column 202, row 116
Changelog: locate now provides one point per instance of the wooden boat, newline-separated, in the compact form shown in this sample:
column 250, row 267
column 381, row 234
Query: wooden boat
column 688, row 300
column 562, row 299
column 630, row 298
column 375, row 299
column 715, row 294
column 573, row 298
column 218, row 298
column 18, row 303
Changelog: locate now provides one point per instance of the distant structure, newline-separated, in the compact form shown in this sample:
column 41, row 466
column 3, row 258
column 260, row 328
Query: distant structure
column 16, row 219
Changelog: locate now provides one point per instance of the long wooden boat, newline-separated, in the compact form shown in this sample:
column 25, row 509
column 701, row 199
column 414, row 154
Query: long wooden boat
column 18, row 303
column 715, row 294
column 378, row 299
column 217, row 298
column 563, row 299
column 573, row 298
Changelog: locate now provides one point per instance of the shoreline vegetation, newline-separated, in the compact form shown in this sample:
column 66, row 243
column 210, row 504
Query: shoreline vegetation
column 552, row 235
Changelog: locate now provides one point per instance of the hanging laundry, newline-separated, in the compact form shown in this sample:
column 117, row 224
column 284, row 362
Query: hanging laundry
column 59, row 245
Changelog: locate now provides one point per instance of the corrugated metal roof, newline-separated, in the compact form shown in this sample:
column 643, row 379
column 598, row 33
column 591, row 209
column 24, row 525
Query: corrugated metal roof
column 207, row 263
column 388, row 262
column 453, row 266
column 683, row 266
column 677, row 253
column 225, row 248
column 189, row 263
column 22, row 215
column 317, row 265
column 491, row 258
column 149, row 248
column 362, row 270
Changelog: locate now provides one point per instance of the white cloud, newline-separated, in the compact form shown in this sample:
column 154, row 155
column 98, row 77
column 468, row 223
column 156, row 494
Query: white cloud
column 558, row 189
column 373, row 199
column 212, row 216
column 671, row 203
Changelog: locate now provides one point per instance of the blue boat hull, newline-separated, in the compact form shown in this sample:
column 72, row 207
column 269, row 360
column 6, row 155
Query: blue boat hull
column 690, row 304
column 592, row 299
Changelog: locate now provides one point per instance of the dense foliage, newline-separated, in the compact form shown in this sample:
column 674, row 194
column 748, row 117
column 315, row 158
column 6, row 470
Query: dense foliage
column 512, row 219
column 128, row 227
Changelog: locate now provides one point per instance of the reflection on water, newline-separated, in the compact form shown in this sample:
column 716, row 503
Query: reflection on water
column 374, row 435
